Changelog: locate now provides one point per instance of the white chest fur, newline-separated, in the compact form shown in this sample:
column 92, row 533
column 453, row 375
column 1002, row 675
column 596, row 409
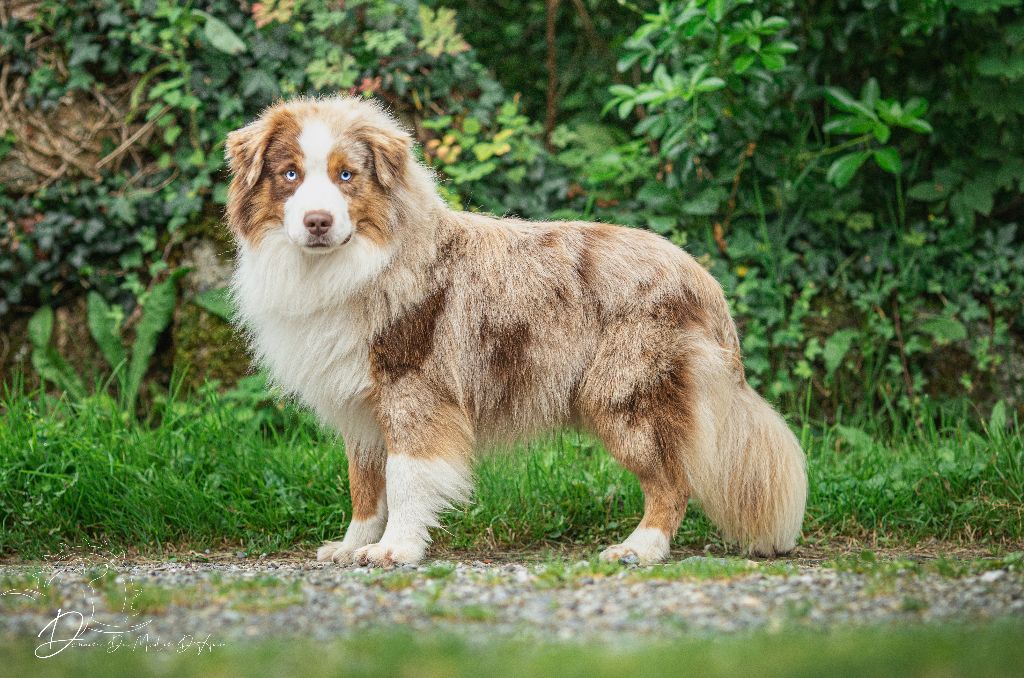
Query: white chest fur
column 306, row 331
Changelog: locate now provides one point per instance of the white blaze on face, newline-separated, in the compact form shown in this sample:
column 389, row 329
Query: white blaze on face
column 318, row 191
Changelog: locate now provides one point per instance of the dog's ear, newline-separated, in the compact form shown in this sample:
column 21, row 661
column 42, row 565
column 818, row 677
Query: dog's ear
column 244, row 150
column 391, row 152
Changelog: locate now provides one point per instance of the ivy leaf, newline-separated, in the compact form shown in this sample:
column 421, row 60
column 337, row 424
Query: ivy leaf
column 221, row 36
column 978, row 194
column 888, row 159
column 843, row 169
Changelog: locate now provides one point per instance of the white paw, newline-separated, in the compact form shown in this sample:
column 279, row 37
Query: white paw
column 620, row 553
column 336, row 552
column 388, row 555
column 644, row 547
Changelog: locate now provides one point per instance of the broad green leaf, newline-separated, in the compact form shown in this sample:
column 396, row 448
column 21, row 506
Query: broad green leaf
column 915, row 107
column 648, row 96
column 662, row 79
column 774, row 23
column 944, row 329
column 105, row 328
column 710, row 84
column 870, row 93
column 997, row 421
column 221, row 36
column 773, row 61
column 48, row 364
column 662, row 224
column 855, row 437
column 979, row 193
column 216, row 302
column 929, row 191
column 705, row 203
column 717, row 9
column 917, row 125
column 842, row 170
column 836, row 347
column 40, row 327
column 842, row 100
column 881, row 131
column 157, row 312
column 848, row 124
column 743, row 63
column 51, row 367
column 888, row 159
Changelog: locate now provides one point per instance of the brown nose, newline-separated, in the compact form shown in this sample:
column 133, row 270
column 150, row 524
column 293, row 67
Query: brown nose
column 317, row 222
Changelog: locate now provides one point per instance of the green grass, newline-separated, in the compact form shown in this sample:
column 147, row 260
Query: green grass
column 202, row 474
column 993, row 650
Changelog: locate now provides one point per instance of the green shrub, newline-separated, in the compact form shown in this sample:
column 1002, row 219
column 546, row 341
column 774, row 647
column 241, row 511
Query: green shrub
column 850, row 171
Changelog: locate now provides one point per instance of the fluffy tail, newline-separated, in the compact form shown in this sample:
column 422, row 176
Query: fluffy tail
column 750, row 476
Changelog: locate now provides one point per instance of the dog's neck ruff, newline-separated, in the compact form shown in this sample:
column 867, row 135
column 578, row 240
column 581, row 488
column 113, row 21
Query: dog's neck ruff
column 275, row 278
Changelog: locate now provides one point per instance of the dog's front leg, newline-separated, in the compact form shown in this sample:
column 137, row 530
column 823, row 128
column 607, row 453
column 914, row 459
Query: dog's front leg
column 369, row 505
column 428, row 470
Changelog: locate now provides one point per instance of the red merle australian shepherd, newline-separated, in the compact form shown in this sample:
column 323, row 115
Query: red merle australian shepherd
column 423, row 334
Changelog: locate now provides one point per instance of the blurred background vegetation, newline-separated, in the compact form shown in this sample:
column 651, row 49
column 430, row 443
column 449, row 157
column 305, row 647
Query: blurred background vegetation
column 850, row 170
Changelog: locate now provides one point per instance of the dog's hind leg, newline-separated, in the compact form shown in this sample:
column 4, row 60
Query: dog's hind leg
column 639, row 402
column 666, row 493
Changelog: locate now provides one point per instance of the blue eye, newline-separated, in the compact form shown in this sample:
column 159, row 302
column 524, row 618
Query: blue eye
column 346, row 175
column 291, row 175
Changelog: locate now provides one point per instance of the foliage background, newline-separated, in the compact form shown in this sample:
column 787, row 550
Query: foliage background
column 850, row 170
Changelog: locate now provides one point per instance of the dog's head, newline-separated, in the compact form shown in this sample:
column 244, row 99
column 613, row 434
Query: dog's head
column 320, row 171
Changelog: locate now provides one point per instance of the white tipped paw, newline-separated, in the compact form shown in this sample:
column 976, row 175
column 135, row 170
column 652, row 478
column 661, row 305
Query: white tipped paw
column 388, row 555
column 620, row 553
column 335, row 552
column 644, row 547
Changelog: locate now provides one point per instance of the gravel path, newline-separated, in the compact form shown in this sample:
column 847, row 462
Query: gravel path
column 222, row 602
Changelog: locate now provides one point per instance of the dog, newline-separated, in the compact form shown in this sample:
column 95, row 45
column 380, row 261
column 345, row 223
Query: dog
column 423, row 334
